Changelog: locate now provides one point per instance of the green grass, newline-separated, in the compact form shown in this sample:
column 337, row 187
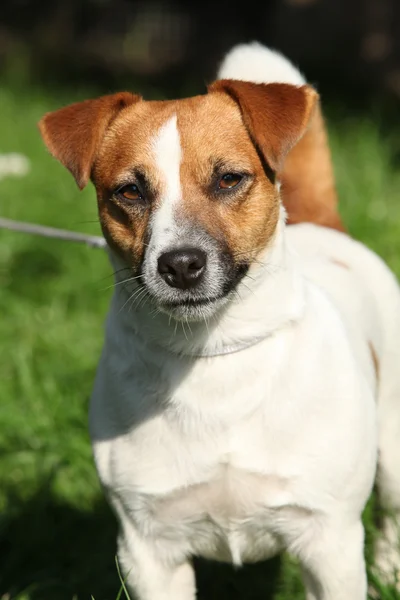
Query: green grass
column 57, row 535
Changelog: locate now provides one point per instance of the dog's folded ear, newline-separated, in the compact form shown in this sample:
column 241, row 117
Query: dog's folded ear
column 74, row 133
column 276, row 115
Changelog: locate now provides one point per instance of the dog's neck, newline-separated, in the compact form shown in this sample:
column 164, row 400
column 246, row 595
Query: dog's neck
column 269, row 298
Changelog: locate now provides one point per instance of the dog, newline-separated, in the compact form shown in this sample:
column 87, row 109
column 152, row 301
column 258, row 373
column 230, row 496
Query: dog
column 250, row 367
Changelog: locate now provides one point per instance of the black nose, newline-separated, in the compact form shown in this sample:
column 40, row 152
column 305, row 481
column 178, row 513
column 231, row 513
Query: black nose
column 182, row 268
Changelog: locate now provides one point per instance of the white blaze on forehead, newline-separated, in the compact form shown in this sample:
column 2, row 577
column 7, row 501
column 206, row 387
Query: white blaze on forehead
column 167, row 152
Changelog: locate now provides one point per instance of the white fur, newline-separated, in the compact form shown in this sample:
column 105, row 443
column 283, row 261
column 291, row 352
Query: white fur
column 167, row 152
column 254, row 62
column 236, row 457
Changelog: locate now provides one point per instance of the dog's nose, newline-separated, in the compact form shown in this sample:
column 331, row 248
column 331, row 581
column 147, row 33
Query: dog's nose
column 182, row 268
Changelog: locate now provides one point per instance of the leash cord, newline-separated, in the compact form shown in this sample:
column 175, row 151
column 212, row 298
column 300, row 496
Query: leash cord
column 94, row 241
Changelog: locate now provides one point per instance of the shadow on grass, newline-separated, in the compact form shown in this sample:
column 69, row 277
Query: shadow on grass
column 216, row 581
column 30, row 270
column 53, row 551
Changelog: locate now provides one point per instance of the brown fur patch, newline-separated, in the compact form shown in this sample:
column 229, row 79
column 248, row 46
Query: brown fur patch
column 126, row 149
column 73, row 134
column 308, row 185
column 244, row 220
column 275, row 114
column 375, row 359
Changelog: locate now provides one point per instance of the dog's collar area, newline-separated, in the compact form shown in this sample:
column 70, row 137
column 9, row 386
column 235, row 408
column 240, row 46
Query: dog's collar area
column 229, row 348
column 212, row 352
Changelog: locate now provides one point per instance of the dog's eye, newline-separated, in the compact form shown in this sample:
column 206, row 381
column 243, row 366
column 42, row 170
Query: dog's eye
column 130, row 192
column 229, row 181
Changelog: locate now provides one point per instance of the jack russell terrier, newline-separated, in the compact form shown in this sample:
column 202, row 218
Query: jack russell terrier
column 251, row 369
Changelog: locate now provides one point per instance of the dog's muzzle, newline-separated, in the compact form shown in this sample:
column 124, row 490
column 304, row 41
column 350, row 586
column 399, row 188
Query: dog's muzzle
column 182, row 268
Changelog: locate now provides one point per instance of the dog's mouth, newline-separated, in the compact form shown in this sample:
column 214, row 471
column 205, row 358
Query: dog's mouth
column 192, row 302
column 190, row 309
column 197, row 307
column 193, row 310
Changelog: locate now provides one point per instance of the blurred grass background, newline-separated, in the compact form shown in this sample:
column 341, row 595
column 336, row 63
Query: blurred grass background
column 57, row 535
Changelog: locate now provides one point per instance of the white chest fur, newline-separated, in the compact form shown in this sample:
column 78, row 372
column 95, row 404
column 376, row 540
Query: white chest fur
column 235, row 456
column 227, row 457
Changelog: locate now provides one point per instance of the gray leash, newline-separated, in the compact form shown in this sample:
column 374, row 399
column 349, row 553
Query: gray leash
column 94, row 241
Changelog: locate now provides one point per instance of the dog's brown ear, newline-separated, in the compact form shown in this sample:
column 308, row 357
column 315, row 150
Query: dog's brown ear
column 73, row 134
column 276, row 115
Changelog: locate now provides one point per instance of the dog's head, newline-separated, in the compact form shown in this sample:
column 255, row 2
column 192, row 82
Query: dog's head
column 187, row 189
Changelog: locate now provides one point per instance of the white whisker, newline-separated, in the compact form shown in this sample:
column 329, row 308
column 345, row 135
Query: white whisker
column 184, row 331
column 114, row 285
column 137, row 301
column 129, row 298
column 190, row 329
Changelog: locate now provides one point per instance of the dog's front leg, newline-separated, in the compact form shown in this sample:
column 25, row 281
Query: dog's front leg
column 147, row 575
column 333, row 563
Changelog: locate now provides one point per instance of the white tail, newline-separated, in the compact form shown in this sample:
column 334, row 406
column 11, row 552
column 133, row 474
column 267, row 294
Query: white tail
column 256, row 63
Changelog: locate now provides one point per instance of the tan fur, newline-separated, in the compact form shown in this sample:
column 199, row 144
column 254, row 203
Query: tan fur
column 243, row 221
column 276, row 115
column 73, row 134
column 126, row 146
column 308, row 185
